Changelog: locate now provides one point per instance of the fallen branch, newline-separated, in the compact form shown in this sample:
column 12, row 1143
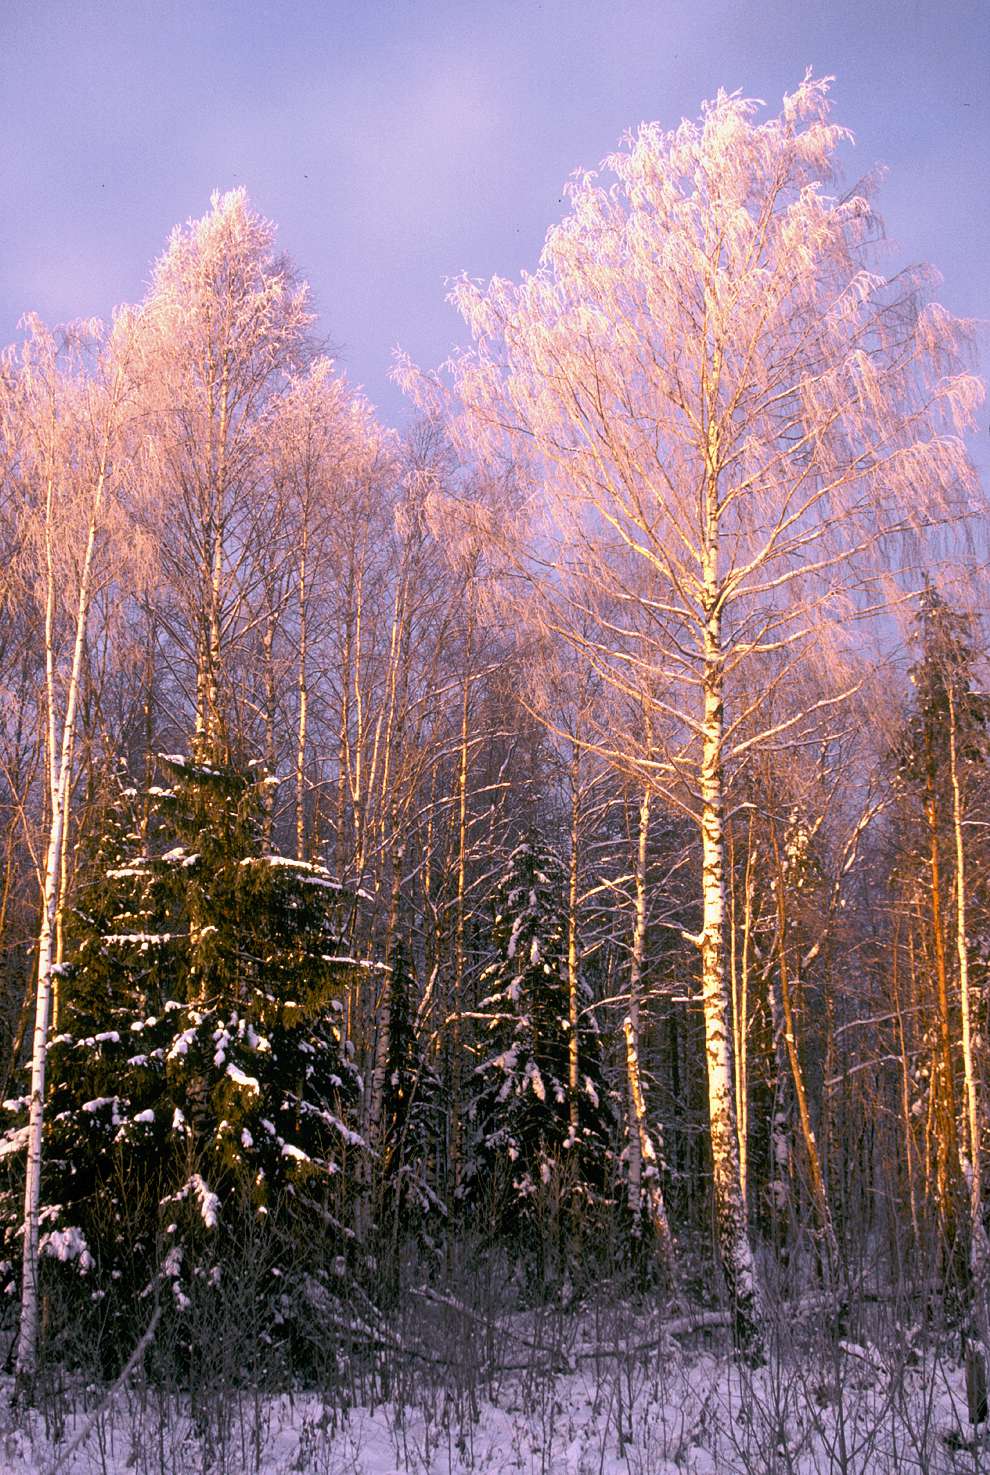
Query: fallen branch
column 681, row 1326
column 452, row 1304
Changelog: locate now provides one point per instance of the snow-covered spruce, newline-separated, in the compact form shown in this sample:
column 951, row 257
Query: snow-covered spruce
column 408, row 1120
column 201, row 1089
column 527, row 1167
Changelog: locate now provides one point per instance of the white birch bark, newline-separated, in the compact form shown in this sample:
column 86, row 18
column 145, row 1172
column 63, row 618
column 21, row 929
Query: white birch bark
column 643, row 1166
column 60, row 779
column 573, row 1060
column 741, row 1004
column 730, row 1206
column 302, row 688
column 456, row 1036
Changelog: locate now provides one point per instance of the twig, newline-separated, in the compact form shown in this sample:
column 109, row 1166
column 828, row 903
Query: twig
column 131, row 1363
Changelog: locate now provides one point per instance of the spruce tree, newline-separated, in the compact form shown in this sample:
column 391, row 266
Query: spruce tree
column 201, row 1083
column 946, row 666
column 526, row 1162
column 411, row 1118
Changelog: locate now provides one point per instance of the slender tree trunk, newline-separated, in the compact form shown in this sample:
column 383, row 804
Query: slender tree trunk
column 905, row 1078
column 631, row 1025
column 947, row 1148
column 730, row 1207
column 61, row 892
column 271, row 716
column 343, row 754
column 645, row 1186
column 919, row 935
column 780, row 1129
column 742, row 1060
column 383, row 1006
column 217, row 482
column 60, row 778
column 456, row 1043
column 979, row 1250
column 302, row 687
column 573, row 1021
column 357, row 761
column 826, row 1232
column 739, row 972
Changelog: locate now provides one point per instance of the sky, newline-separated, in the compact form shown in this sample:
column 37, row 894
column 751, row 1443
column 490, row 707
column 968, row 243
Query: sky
column 397, row 143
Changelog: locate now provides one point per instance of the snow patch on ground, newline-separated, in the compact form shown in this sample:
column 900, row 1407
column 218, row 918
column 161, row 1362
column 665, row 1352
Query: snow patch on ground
column 672, row 1413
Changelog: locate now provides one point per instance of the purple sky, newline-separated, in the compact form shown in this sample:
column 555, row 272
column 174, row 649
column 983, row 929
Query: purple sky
column 398, row 142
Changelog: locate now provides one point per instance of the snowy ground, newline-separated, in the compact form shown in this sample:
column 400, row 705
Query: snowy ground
column 667, row 1412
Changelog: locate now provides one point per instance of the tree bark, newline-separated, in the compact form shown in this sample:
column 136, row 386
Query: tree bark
column 979, row 1250
column 645, row 1186
column 730, row 1208
column 302, row 687
column 573, row 1021
column 60, row 778
column 456, row 1034
column 826, row 1232
column 947, row 1146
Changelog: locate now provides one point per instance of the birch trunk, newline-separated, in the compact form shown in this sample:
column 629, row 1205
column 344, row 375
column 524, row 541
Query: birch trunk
column 742, row 1019
column 302, row 686
column 60, row 778
column 271, row 712
column 730, row 1207
column 391, row 838
column 780, row 1131
column 573, row 1061
column 343, row 740
column 645, row 1187
column 61, row 892
column 456, row 1063
column 826, row 1232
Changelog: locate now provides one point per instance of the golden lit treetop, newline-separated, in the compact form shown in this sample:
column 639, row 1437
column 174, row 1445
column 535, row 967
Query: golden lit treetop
column 716, row 409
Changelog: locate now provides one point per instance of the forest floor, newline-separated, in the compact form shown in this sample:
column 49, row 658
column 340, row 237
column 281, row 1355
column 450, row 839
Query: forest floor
column 859, row 1409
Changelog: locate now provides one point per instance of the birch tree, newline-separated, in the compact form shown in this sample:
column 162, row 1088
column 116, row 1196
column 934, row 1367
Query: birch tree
column 717, row 412
column 645, row 1188
column 223, row 323
column 71, row 397
column 325, row 451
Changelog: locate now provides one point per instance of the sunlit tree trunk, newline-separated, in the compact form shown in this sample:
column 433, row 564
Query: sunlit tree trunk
column 457, row 1001
column 271, row 684
column 343, row 741
column 972, row 1162
column 302, row 687
column 730, row 1207
column 60, row 747
column 742, row 1021
column 946, row 1144
column 905, row 1082
column 573, row 970
column 645, row 1189
column 62, row 890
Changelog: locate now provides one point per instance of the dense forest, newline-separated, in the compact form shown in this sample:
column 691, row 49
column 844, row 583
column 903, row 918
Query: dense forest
column 551, row 838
